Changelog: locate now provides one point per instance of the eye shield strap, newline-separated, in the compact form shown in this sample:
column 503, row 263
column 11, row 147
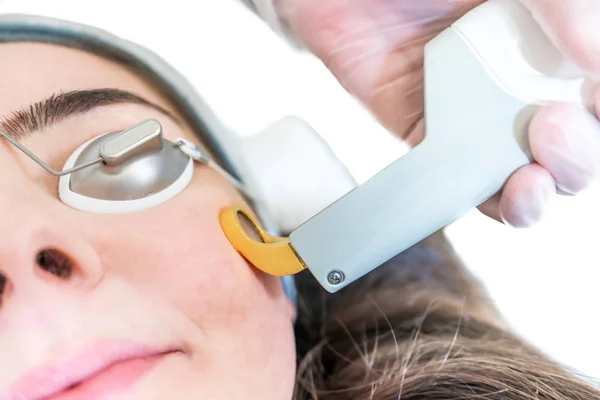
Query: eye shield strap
column 131, row 167
column 143, row 138
column 40, row 162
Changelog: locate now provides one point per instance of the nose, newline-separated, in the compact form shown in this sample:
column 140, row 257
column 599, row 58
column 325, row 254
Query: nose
column 40, row 255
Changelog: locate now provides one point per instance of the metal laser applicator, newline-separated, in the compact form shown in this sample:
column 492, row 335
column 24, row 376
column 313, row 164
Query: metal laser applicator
column 485, row 77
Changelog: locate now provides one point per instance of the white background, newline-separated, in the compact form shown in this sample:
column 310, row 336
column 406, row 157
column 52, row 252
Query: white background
column 544, row 279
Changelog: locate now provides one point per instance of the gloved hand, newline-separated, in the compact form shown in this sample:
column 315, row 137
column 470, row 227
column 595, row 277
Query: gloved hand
column 375, row 49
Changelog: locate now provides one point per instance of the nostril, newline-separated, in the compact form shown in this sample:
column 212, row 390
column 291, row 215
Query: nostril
column 55, row 262
column 2, row 285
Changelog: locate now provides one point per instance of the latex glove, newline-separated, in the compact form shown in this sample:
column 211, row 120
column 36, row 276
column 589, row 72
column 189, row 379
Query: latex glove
column 375, row 49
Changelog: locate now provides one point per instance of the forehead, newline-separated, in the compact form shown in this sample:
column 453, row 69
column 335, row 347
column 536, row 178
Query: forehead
column 38, row 70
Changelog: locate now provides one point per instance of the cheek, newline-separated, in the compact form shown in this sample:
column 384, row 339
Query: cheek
column 177, row 253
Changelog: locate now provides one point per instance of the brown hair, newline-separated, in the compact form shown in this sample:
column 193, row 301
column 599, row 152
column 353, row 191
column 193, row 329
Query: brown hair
column 419, row 327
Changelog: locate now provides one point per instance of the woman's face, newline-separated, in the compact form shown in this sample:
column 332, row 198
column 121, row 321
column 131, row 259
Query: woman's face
column 149, row 305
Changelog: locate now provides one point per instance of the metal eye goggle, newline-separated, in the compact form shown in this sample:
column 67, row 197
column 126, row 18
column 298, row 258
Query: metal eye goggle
column 128, row 170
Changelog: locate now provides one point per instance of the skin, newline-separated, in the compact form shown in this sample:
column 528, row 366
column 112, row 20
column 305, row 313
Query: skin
column 375, row 49
column 166, row 277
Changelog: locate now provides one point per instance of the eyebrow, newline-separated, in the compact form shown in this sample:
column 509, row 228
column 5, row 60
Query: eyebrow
column 61, row 106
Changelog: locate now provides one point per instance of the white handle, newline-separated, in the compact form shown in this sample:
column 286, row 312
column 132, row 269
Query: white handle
column 517, row 52
column 481, row 91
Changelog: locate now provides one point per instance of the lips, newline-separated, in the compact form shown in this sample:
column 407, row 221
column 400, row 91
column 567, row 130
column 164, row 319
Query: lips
column 94, row 373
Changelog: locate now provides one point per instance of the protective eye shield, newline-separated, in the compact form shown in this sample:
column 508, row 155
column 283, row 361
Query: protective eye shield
column 127, row 171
